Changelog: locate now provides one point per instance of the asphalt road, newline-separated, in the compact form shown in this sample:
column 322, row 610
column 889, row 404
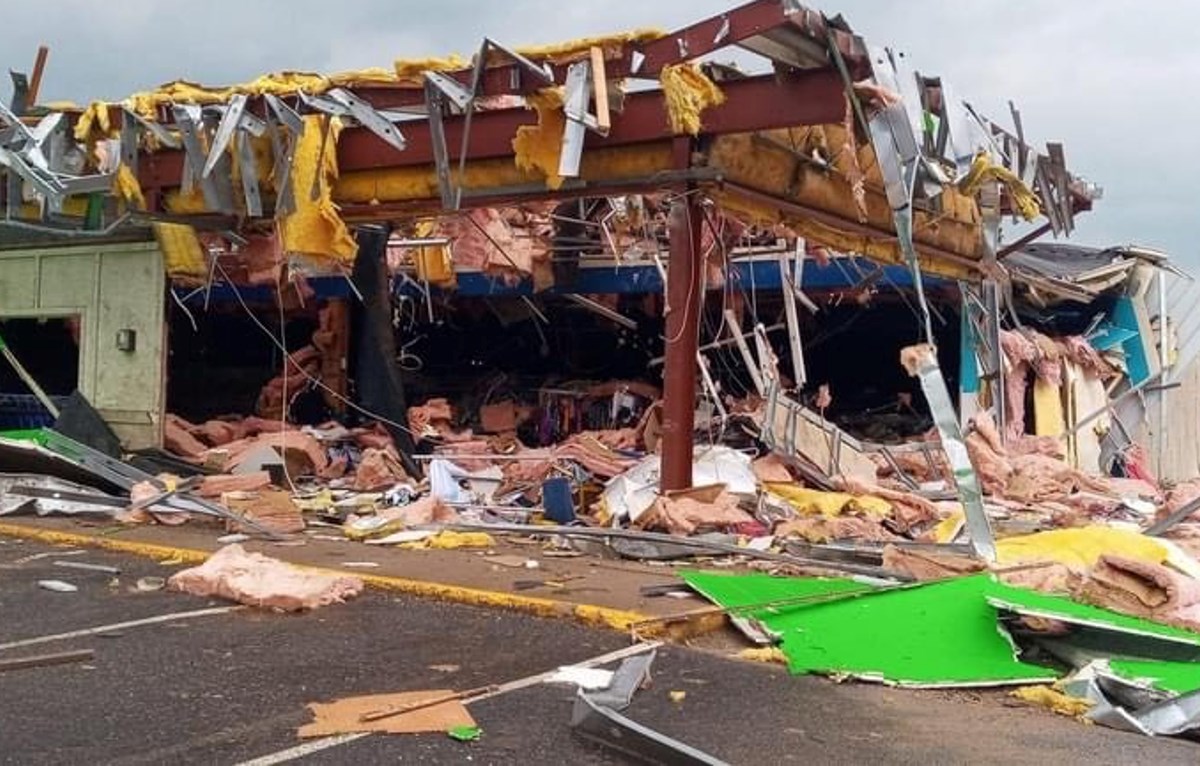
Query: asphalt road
column 229, row 688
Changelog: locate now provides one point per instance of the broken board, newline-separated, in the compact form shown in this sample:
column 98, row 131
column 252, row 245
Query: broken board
column 927, row 635
column 1028, row 603
column 1177, row 677
column 760, row 592
column 343, row 716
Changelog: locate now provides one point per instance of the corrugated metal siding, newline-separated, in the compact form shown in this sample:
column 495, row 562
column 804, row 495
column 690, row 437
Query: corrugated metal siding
column 1183, row 297
column 1180, row 447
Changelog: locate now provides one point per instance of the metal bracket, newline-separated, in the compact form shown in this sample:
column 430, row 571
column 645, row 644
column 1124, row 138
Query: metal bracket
column 578, row 91
column 966, row 480
column 368, row 117
column 187, row 117
column 607, row 727
column 435, row 102
column 230, row 118
column 287, row 116
column 452, row 89
column 160, row 133
column 248, row 172
column 541, row 73
column 799, row 372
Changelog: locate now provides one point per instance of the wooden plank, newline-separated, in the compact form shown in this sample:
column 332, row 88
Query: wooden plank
column 600, row 90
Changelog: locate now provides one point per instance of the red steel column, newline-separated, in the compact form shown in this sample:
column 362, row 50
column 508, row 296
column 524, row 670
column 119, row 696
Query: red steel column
column 684, row 300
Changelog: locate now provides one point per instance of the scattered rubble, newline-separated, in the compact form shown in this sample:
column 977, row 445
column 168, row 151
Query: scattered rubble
column 905, row 533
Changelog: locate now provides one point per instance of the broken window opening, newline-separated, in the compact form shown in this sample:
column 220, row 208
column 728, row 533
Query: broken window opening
column 48, row 348
column 222, row 367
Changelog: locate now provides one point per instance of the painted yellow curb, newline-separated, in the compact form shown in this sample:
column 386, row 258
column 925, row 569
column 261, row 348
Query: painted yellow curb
column 588, row 614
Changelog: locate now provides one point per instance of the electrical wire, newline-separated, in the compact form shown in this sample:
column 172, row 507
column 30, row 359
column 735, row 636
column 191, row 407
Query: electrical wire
column 285, row 405
column 185, row 310
column 692, row 266
column 315, row 381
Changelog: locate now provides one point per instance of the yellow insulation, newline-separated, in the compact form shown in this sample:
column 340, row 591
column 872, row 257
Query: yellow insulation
column 316, row 228
column 688, row 92
column 572, row 49
column 411, row 70
column 770, row 162
column 879, row 248
column 983, row 169
column 537, row 147
column 182, row 253
column 371, row 187
column 814, row 502
column 1079, row 547
column 127, row 187
column 1054, row 700
column 93, row 123
column 190, row 203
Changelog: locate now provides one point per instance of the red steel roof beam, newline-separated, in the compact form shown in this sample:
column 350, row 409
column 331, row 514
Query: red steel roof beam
column 755, row 103
column 759, row 25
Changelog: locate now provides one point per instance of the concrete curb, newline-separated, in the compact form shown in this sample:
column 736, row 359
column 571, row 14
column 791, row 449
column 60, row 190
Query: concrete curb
column 587, row 614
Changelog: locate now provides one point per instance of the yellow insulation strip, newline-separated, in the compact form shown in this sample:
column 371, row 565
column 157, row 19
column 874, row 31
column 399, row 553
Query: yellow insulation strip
column 1079, row 548
column 191, row 203
column 829, row 504
column 371, row 187
column 983, row 170
column 316, row 228
column 411, row 70
column 93, row 123
column 127, row 187
column 1054, row 700
column 537, row 147
column 572, row 49
column 181, row 249
column 878, row 248
column 688, row 92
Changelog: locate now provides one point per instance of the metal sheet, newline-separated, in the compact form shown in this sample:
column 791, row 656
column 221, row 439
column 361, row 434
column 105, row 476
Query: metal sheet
column 969, row 492
column 627, row 679
column 609, row 728
column 285, row 114
column 249, row 176
column 578, row 89
column 799, row 373
column 230, row 118
column 187, row 120
column 434, row 100
column 450, row 88
column 370, row 119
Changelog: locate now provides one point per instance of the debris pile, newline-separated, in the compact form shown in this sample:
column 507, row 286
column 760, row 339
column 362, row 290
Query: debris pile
column 1013, row 508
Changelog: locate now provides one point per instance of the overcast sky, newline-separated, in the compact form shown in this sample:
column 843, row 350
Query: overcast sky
column 1114, row 81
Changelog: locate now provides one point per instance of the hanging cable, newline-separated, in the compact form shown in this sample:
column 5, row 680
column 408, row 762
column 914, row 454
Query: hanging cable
column 285, row 405
column 691, row 277
column 316, row 382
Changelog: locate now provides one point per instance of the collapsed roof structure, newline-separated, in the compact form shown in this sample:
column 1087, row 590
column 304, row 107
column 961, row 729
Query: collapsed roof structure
column 839, row 146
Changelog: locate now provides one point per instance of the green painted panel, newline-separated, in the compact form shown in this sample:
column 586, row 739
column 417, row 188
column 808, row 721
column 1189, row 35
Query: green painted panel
column 1065, row 610
column 932, row 634
column 18, row 283
column 1178, row 677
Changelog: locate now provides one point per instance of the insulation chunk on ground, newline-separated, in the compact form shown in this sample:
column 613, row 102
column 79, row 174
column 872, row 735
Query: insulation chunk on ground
column 256, row 580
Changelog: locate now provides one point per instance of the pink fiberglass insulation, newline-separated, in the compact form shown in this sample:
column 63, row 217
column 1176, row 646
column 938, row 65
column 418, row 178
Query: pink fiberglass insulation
column 257, row 580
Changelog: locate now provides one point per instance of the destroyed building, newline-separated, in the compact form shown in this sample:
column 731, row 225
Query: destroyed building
column 587, row 283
